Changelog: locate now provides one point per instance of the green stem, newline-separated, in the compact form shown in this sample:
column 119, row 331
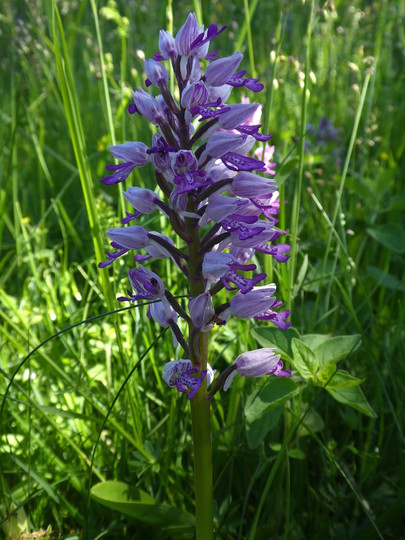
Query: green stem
column 200, row 405
column 200, row 417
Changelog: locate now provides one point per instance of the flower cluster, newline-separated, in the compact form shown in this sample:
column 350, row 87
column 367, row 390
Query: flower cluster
column 221, row 211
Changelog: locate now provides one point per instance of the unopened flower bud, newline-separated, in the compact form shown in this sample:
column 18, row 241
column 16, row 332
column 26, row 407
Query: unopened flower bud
column 202, row 312
column 156, row 73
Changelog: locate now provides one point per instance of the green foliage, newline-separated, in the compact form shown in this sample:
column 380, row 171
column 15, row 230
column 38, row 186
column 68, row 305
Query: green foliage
column 139, row 505
column 263, row 410
column 316, row 456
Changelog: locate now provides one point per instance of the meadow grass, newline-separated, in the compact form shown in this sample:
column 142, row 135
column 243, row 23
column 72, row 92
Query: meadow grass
column 82, row 399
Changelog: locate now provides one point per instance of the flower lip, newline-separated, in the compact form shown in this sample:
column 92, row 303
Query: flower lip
column 133, row 154
column 146, row 281
column 180, row 373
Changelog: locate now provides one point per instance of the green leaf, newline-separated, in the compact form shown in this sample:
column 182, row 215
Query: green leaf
column 304, row 360
column 257, row 429
column 263, row 412
column 57, row 411
column 296, row 453
column 324, row 374
column 343, row 379
column 314, row 340
column 390, row 235
column 287, row 168
column 138, row 504
column 312, row 423
column 385, row 279
column 317, row 275
column 353, row 397
column 302, row 272
column 274, row 337
column 336, row 348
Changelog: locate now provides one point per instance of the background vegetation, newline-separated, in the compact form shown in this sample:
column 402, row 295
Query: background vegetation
column 64, row 93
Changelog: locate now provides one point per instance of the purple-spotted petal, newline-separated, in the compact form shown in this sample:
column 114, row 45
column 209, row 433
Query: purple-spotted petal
column 181, row 374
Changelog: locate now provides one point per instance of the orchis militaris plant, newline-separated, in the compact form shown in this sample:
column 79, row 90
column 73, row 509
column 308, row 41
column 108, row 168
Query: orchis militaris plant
column 221, row 204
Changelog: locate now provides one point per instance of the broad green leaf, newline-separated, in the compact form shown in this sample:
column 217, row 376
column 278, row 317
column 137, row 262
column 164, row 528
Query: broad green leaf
column 296, row 453
column 274, row 393
column 274, row 337
column 385, row 279
column 324, row 375
column 343, row 379
column 257, row 429
column 311, row 424
column 138, row 504
column 396, row 202
column 304, row 360
column 353, row 397
column 314, row 340
column 390, row 235
column 336, row 348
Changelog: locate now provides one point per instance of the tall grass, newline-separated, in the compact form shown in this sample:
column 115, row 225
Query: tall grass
column 71, row 415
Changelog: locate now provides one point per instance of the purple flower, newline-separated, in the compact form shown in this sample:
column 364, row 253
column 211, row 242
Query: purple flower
column 247, row 184
column 253, row 303
column 202, row 312
column 187, row 174
column 220, row 207
column 236, row 114
column 149, row 107
column 223, row 266
column 256, row 364
column 222, row 142
column 156, row 73
column 180, row 373
column 133, row 154
column 160, row 156
column 133, row 237
column 276, row 251
column 238, row 80
column 219, row 72
column 245, row 235
column 194, row 94
column 167, row 45
column 144, row 200
column 219, row 92
column 136, row 237
column 187, row 35
column 277, row 318
column 249, row 304
column 146, row 284
column 238, row 162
